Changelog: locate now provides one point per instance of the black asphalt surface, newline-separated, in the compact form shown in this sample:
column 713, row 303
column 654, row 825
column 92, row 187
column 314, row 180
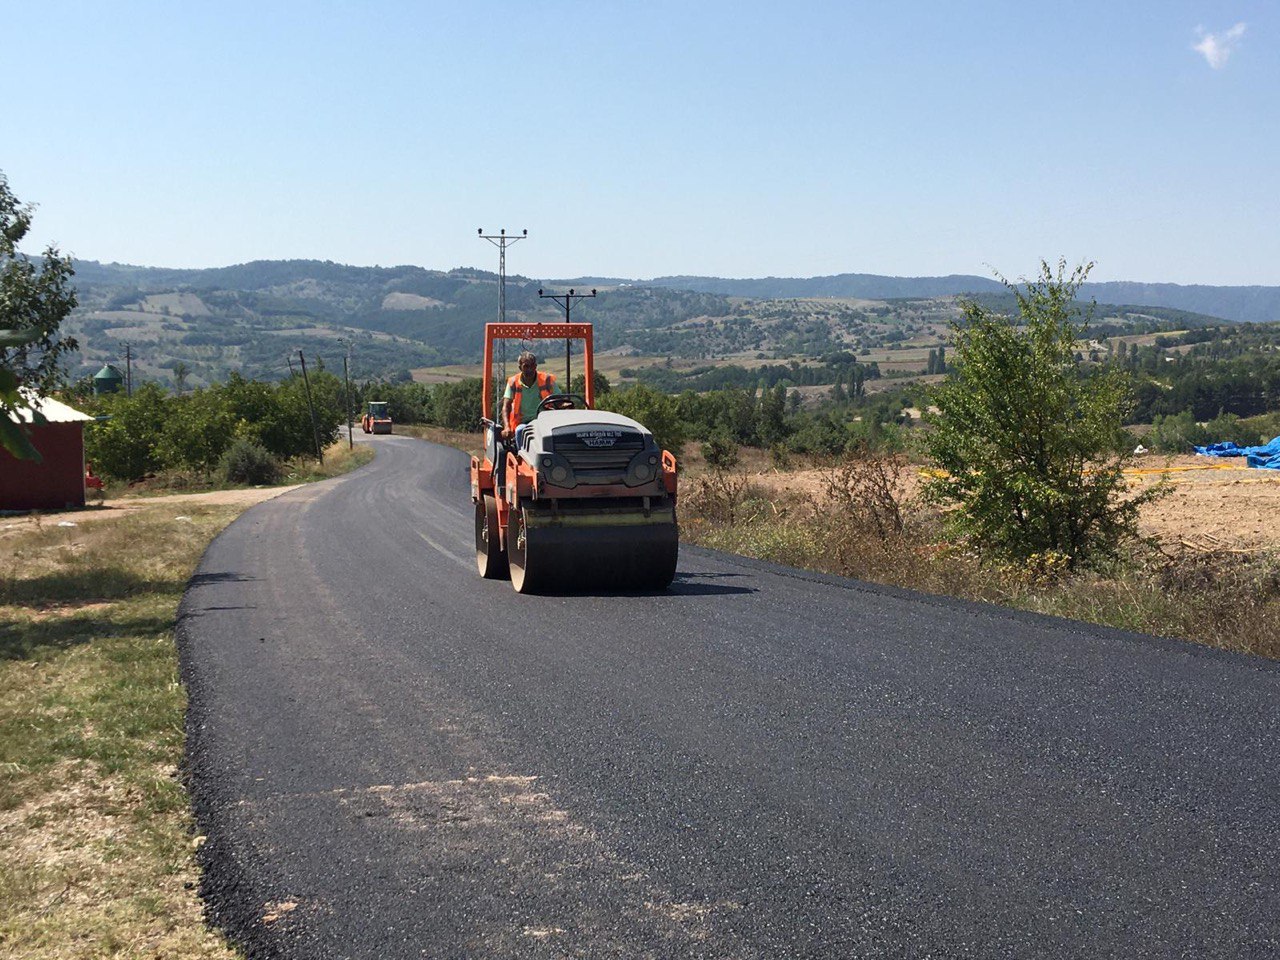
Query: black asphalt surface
column 391, row 757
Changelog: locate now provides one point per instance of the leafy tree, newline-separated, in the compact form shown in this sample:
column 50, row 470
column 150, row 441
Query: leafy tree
column 817, row 433
column 33, row 303
column 124, row 445
column 458, row 405
column 287, row 431
column 599, row 381
column 151, row 431
column 1025, row 438
column 772, row 425
column 656, row 411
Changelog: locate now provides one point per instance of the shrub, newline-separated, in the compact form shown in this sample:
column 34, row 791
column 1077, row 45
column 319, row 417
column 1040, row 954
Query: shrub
column 250, row 463
column 1025, row 439
column 720, row 452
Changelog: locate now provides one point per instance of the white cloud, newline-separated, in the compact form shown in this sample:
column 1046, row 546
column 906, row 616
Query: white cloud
column 1217, row 47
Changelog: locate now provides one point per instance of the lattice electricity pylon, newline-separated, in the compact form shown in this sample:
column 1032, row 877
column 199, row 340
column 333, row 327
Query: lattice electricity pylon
column 501, row 241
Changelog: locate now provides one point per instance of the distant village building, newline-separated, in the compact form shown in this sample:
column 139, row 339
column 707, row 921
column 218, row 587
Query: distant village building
column 107, row 380
column 57, row 481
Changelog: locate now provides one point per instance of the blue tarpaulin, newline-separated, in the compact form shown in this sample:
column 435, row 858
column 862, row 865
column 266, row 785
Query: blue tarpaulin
column 1266, row 456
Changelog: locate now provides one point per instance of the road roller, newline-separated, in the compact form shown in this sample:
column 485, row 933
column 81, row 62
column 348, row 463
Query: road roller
column 377, row 418
column 585, row 500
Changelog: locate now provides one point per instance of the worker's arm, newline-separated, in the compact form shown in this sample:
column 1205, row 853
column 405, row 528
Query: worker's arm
column 506, row 412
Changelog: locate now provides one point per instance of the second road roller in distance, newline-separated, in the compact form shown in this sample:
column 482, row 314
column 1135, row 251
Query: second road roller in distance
column 586, row 499
column 377, row 419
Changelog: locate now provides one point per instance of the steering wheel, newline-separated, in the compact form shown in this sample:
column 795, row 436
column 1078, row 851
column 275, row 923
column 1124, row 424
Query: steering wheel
column 563, row 401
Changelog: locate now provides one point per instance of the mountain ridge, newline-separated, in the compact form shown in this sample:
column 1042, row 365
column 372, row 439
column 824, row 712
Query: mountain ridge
column 1255, row 303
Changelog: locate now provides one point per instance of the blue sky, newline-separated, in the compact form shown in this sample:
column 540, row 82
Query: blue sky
column 644, row 139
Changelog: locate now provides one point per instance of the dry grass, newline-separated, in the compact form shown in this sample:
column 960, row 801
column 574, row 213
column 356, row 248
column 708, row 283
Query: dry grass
column 95, row 830
column 338, row 459
column 865, row 523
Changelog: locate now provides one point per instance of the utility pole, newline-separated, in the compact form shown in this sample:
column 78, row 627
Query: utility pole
column 346, row 376
column 289, row 357
column 565, row 301
column 315, row 427
column 128, row 371
column 501, row 241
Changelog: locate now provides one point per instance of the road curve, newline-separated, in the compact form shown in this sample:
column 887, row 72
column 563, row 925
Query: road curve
column 391, row 757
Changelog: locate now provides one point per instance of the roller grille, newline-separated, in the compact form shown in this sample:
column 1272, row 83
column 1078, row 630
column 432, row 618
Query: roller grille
column 592, row 455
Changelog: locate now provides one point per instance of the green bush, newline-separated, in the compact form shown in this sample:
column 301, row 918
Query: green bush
column 250, row 463
column 1024, row 438
column 655, row 411
column 720, row 452
column 1179, row 432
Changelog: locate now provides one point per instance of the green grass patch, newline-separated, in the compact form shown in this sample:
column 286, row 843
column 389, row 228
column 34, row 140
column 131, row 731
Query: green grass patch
column 95, row 827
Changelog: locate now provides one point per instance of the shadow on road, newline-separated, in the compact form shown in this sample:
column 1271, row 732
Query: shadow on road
column 696, row 585
column 203, row 579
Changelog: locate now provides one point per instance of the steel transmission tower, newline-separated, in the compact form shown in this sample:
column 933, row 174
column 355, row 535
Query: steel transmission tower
column 501, row 241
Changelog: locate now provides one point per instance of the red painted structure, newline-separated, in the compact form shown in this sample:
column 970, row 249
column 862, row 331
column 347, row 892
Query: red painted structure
column 57, row 481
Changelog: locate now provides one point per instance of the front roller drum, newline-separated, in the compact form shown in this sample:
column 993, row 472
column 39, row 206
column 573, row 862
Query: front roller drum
column 548, row 558
column 491, row 559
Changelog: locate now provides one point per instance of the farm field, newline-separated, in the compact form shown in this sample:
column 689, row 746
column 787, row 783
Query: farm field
column 1212, row 504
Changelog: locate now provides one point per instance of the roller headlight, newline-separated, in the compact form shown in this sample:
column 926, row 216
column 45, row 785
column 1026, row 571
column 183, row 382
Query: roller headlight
column 640, row 470
column 556, row 469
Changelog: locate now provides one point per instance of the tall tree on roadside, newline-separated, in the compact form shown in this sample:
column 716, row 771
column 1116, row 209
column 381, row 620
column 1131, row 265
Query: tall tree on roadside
column 33, row 303
column 1026, row 440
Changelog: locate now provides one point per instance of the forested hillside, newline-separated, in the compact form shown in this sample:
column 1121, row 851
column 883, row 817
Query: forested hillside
column 1238, row 304
column 194, row 327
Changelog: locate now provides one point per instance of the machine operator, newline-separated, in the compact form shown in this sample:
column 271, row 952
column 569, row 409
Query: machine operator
column 525, row 391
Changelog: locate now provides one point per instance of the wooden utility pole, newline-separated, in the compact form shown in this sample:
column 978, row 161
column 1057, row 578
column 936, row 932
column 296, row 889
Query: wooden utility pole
column 315, row 427
column 346, row 376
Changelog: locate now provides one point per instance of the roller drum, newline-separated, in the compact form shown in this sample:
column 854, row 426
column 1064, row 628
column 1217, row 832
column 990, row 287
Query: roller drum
column 618, row 552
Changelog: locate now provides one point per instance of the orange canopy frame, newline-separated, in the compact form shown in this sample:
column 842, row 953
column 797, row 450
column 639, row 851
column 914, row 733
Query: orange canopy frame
column 537, row 331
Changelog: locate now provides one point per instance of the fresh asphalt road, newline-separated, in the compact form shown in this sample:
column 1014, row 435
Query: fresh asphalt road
column 391, row 757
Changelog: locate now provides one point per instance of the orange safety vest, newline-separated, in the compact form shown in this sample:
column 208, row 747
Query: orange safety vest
column 546, row 387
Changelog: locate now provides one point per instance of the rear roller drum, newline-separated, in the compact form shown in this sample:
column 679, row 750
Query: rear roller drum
column 529, row 564
column 490, row 558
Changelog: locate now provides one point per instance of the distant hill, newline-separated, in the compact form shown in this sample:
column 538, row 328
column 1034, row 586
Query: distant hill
column 861, row 286
column 201, row 325
column 1239, row 304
